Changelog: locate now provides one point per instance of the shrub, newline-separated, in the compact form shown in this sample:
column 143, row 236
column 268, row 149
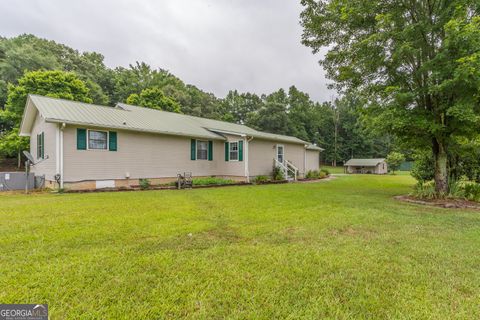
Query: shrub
column 394, row 160
column 260, row 179
column 144, row 184
column 313, row 174
column 277, row 174
column 327, row 173
column 456, row 189
column 471, row 191
column 211, row 181
column 424, row 190
column 423, row 168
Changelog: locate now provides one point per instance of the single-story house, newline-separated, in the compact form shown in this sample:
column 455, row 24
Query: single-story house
column 374, row 166
column 86, row 146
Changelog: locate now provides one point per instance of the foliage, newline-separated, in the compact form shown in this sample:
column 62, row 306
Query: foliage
column 316, row 174
column 277, row 174
column 464, row 159
column 144, row 184
column 326, row 171
column 425, row 190
column 312, row 174
column 417, row 66
column 240, row 107
column 30, row 53
column 11, row 144
column 423, row 169
column 138, row 77
column 472, row 191
column 261, row 179
column 462, row 189
column 56, row 84
column 394, row 160
column 154, row 98
column 211, row 181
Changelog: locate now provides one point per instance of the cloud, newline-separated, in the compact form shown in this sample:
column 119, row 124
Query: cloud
column 217, row 45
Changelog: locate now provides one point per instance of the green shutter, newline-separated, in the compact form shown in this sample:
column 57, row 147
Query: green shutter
column 240, row 150
column 42, row 137
column 210, row 150
column 38, row 147
column 112, row 141
column 226, row 152
column 193, row 149
column 81, row 139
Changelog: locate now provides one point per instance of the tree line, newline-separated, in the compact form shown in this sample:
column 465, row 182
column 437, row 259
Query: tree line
column 29, row 64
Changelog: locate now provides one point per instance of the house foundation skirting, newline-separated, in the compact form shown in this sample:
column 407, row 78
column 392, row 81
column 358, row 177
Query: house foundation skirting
column 125, row 183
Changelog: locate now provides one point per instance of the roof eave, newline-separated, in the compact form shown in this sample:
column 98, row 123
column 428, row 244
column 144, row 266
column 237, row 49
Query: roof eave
column 28, row 109
column 53, row 120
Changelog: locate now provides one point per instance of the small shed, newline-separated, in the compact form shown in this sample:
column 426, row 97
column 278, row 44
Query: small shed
column 366, row 166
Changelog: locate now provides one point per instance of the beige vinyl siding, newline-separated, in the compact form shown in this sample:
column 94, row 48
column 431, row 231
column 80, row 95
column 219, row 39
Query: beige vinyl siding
column 313, row 160
column 142, row 155
column 381, row 168
column 46, row 167
column 262, row 153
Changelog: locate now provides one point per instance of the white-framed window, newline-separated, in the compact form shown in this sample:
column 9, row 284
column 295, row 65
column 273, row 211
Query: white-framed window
column 40, row 145
column 280, row 153
column 233, row 151
column 97, row 140
column 202, row 150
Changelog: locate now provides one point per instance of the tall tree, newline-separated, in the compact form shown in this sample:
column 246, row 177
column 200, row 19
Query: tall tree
column 239, row 107
column 30, row 53
column 272, row 116
column 417, row 63
column 154, row 98
column 56, row 84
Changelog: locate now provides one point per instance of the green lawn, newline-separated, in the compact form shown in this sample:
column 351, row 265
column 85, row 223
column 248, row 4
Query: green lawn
column 334, row 249
column 338, row 169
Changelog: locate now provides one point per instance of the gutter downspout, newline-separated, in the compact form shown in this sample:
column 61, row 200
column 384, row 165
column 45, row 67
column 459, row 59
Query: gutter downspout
column 57, row 150
column 61, row 154
column 247, row 173
column 305, row 162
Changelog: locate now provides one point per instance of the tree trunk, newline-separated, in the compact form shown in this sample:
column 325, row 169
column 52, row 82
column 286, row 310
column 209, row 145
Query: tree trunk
column 19, row 159
column 441, row 174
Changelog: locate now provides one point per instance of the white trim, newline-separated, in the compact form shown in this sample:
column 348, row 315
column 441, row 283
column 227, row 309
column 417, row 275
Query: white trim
column 108, row 140
column 228, row 132
column 113, row 128
column 196, row 149
column 26, row 113
column 283, row 152
column 57, row 149
column 238, row 151
column 305, row 162
column 245, row 158
column 61, row 155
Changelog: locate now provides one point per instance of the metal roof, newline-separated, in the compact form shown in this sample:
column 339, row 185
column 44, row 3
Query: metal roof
column 134, row 118
column 364, row 162
column 314, row 147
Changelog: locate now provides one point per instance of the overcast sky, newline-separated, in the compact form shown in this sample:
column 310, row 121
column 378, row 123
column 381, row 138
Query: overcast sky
column 217, row 45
